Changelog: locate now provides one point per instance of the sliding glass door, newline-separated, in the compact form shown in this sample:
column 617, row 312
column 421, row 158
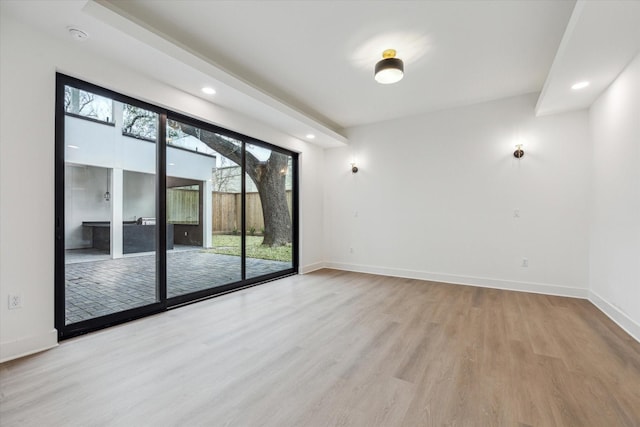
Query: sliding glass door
column 109, row 206
column 268, row 221
column 155, row 209
column 207, row 247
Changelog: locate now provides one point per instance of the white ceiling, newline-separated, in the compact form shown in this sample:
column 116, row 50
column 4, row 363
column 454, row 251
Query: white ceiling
column 318, row 56
column 602, row 37
column 307, row 66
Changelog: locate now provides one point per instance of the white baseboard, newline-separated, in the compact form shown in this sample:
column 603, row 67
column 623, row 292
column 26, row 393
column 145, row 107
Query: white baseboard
column 34, row 344
column 312, row 267
column 484, row 282
column 618, row 316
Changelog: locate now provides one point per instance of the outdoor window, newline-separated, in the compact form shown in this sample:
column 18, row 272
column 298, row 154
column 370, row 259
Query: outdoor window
column 183, row 204
column 139, row 123
column 81, row 103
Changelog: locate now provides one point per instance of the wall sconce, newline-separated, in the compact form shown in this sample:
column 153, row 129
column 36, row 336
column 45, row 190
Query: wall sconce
column 354, row 168
column 518, row 153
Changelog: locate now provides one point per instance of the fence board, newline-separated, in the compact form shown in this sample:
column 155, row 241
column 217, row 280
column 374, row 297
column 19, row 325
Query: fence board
column 182, row 206
column 227, row 213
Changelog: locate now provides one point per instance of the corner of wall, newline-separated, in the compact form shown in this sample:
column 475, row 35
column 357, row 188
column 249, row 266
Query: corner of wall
column 618, row 316
column 306, row 269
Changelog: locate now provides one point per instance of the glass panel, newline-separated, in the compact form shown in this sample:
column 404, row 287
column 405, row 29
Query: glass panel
column 268, row 211
column 139, row 123
column 87, row 104
column 203, row 209
column 183, row 205
column 110, row 211
column 178, row 139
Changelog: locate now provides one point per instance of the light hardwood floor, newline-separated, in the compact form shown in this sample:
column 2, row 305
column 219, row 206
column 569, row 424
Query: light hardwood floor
column 334, row 348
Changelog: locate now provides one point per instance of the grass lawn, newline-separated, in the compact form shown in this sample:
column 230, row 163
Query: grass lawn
column 230, row 245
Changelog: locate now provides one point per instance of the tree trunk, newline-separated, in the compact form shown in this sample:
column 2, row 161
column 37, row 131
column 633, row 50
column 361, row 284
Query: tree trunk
column 269, row 177
column 273, row 197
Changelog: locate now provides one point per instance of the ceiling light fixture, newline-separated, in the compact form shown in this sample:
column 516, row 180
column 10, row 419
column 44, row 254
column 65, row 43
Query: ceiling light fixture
column 580, row 85
column 310, row 136
column 389, row 69
column 209, row 90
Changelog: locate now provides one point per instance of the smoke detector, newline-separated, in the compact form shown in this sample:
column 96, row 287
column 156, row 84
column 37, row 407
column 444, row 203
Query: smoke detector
column 77, row 34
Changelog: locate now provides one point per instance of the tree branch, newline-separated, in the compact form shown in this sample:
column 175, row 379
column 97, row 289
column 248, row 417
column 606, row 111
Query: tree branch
column 225, row 147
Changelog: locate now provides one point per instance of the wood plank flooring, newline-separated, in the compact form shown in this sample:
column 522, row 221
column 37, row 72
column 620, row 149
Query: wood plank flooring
column 334, row 348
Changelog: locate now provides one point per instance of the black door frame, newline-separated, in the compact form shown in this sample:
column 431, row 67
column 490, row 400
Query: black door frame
column 67, row 331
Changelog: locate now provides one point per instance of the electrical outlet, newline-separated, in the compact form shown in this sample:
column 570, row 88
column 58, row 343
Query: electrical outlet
column 350, row 250
column 525, row 262
column 15, row 301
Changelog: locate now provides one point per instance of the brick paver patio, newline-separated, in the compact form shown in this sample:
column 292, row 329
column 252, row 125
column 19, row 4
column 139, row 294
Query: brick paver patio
column 97, row 288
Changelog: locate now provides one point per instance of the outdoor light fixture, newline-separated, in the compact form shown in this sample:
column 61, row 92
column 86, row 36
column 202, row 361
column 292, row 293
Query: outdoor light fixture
column 354, row 168
column 107, row 195
column 389, row 69
column 518, row 153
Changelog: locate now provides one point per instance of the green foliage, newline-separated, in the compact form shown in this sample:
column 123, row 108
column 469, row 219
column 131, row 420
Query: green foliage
column 230, row 245
column 252, row 230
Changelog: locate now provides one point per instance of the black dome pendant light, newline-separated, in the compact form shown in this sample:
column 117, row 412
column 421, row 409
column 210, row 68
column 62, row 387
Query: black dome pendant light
column 389, row 69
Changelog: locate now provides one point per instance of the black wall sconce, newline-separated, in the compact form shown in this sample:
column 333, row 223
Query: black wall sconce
column 354, row 168
column 518, row 153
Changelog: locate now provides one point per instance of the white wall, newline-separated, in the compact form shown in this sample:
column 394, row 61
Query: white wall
column 615, row 226
column 435, row 198
column 96, row 144
column 27, row 84
column 139, row 196
column 84, row 200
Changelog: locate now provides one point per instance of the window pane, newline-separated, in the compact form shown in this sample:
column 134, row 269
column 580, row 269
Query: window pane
column 87, row 104
column 110, row 212
column 268, row 211
column 139, row 123
column 179, row 139
column 205, row 220
column 183, row 205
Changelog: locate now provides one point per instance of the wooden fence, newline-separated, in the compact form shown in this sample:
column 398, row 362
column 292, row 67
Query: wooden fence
column 183, row 208
column 227, row 212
